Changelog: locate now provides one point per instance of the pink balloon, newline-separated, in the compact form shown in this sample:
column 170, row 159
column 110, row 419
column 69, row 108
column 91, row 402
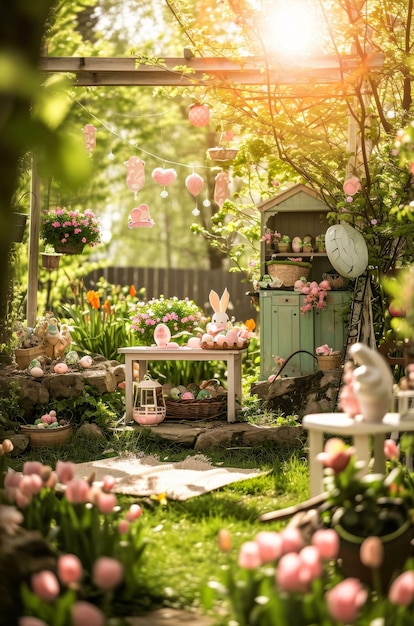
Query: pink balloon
column 194, row 183
column 164, row 177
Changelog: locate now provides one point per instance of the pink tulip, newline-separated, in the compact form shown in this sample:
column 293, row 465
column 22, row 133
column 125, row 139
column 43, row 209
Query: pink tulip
column 133, row 512
column 108, row 483
column 292, row 540
column 86, row 614
column 31, row 621
column 7, row 446
column 77, row 491
column 336, row 454
column 311, row 560
column 107, row 573
column 249, row 555
column 327, row 542
column 32, row 467
column 270, row 545
column 345, row 599
column 65, row 471
column 289, row 573
column 69, row 569
column 45, row 585
column 402, row 589
column 22, row 500
column 371, row 552
column 123, row 527
column 391, row 450
column 106, row 502
column 31, row 484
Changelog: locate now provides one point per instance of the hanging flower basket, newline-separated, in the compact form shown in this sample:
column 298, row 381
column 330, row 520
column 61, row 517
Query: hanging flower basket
column 222, row 154
column 70, row 231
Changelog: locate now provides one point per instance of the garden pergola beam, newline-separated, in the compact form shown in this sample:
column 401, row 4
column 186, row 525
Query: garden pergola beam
column 97, row 71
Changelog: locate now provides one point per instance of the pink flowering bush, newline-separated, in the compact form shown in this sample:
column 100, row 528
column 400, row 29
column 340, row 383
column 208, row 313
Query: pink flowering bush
column 287, row 577
column 315, row 294
column 184, row 318
column 61, row 226
column 98, row 546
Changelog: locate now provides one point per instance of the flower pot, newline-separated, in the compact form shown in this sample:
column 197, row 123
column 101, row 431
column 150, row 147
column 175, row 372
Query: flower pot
column 18, row 226
column 50, row 261
column 24, row 356
column 284, row 247
column 69, row 248
column 329, row 362
column 396, row 551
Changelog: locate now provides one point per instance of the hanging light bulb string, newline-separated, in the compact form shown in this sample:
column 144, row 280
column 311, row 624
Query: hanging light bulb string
column 113, row 132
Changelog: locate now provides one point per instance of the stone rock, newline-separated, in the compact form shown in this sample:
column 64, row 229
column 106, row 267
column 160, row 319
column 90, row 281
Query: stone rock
column 89, row 431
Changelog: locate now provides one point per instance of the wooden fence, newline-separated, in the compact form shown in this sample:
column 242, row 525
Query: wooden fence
column 193, row 283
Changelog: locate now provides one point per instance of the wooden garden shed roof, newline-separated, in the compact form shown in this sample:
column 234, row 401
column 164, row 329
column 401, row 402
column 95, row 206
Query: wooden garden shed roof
column 296, row 197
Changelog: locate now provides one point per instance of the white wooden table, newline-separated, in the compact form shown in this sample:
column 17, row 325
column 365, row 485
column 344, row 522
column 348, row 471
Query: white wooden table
column 143, row 354
column 319, row 424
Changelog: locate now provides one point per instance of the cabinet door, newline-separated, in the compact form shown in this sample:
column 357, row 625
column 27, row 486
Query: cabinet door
column 329, row 322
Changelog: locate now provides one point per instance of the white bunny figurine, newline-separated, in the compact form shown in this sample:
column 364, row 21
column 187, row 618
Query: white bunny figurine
column 220, row 318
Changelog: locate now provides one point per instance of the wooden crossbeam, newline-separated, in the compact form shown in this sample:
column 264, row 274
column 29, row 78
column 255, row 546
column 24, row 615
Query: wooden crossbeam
column 118, row 71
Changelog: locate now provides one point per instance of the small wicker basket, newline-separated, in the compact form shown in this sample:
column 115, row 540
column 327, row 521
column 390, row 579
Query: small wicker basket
column 289, row 271
column 47, row 437
column 196, row 409
column 221, row 154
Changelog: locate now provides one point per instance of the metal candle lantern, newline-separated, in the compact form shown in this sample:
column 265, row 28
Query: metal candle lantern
column 149, row 404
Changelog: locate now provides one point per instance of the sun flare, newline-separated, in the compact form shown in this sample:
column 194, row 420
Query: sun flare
column 292, row 30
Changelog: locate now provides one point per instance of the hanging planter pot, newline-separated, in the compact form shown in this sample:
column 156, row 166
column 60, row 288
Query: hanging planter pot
column 50, row 261
column 18, row 226
column 222, row 154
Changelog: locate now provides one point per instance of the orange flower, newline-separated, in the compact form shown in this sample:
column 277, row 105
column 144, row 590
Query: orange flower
column 93, row 299
column 132, row 291
column 250, row 324
column 107, row 306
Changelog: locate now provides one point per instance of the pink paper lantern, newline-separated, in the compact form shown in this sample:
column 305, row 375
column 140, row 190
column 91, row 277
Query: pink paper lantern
column 199, row 115
column 89, row 133
column 352, row 186
column 194, row 183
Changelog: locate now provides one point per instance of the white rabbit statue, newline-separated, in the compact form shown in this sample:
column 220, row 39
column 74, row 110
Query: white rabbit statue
column 220, row 318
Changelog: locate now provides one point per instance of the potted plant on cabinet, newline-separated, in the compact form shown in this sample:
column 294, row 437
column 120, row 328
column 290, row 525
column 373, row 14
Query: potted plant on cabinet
column 285, row 243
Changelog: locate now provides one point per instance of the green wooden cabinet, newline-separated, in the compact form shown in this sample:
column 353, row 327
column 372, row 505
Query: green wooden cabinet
column 284, row 330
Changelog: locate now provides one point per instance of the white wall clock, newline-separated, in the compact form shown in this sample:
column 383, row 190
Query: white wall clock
column 346, row 250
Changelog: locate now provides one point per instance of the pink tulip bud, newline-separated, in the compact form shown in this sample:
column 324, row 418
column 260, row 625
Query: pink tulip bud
column 69, row 569
column 391, row 450
column 371, row 552
column 327, row 542
column 402, row 589
column 289, row 573
column 45, row 585
column 107, row 573
column 345, row 599
column 65, row 471
column 108, row 483
column 123, row 527
column 270, row 545
column 7, row 446
column 106, row 502
column 133, row 512
column 249, row 555
column 77, row 491
column 292, row 540
column 32, row 467
column 31, row 621
column 86, row 614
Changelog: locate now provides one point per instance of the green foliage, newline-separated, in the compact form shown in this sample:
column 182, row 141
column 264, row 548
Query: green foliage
column 105, row 410
column 100, row 319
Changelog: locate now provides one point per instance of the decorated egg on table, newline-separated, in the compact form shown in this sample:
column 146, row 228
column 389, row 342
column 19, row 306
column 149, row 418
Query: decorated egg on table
column 60, row 368
column 86, row 361
column 231, row 336
column 194, row 342
column 72, row 358
column 219, row 340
